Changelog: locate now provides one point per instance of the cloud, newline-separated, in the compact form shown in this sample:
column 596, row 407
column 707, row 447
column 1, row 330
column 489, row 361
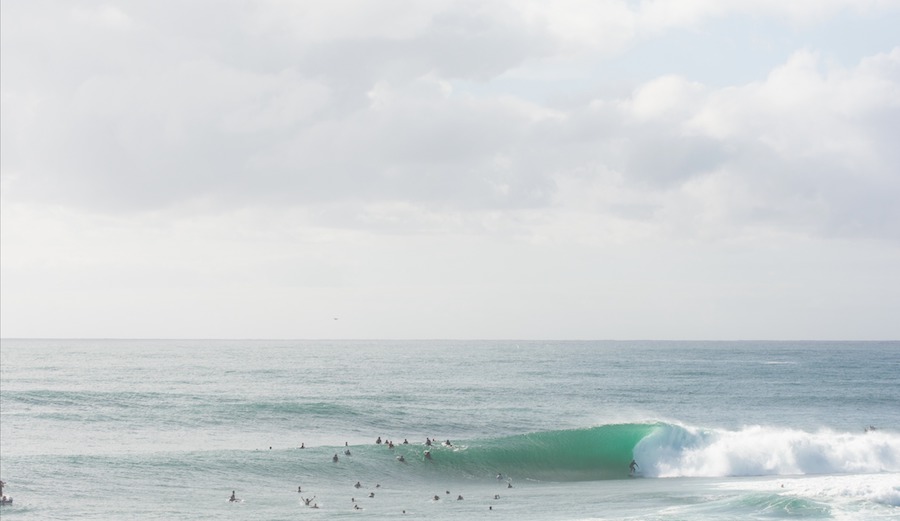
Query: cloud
column 813, row 139
column 413, row 106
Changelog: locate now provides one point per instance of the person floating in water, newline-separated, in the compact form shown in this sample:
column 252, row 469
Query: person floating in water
column 335, row 458
column 232, row 498
column 427, row 454
column 633, row 466
column 358, row 484
column 378, row 441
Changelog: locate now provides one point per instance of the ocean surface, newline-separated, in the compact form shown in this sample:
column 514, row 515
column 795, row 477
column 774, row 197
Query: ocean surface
column 538, row 430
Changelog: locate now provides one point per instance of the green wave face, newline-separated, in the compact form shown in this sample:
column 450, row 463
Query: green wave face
column 602, row 452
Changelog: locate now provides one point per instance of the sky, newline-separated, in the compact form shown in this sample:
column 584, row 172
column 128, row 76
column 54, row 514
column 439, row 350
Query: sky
column 606, row 169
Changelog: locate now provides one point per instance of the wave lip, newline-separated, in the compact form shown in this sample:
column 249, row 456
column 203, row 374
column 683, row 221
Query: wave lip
column 676, row 451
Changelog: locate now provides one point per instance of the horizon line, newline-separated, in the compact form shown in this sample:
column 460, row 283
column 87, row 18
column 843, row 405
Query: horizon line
column 458, row 339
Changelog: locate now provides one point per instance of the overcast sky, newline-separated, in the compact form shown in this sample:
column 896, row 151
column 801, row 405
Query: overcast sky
column 601, row 169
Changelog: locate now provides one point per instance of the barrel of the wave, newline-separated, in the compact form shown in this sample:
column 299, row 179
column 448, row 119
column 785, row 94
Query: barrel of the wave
column 594, row 453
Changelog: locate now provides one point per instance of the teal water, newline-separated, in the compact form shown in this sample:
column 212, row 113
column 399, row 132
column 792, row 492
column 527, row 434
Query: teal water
column 114, row 429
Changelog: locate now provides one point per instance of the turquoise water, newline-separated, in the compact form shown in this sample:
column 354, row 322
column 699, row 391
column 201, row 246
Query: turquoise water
column 115, row 429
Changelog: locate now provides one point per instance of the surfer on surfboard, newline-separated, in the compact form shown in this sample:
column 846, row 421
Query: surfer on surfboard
column 633, row 466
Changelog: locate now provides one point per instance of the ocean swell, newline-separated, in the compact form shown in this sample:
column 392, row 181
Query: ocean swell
column 602, row 452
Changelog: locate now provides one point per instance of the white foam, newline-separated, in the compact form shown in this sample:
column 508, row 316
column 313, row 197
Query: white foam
column 765, row 451
column 875, row 488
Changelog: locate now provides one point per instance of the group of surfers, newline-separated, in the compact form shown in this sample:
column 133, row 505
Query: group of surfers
column 632, row 466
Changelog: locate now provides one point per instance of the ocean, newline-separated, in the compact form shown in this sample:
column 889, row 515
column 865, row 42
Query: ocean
column 537, row 430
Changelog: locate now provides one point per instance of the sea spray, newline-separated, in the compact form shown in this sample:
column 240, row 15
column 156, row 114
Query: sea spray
column 675, row 450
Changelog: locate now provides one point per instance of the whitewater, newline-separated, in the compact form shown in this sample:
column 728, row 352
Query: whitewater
column 537, row 430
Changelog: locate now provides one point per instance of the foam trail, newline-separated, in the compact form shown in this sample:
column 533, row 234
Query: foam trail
column 673, row 450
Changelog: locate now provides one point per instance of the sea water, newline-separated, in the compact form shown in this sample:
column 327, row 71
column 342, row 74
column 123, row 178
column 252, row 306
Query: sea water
column 538, row 430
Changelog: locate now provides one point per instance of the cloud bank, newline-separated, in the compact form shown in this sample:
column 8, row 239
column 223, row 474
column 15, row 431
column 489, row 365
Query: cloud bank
column 313, row 131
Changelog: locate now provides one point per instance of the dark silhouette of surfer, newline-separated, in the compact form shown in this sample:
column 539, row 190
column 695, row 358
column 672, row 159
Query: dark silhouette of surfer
column 633, row 466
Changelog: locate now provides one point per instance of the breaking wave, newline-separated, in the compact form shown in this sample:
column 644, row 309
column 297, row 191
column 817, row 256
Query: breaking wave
column 673, row 450
column 667, row 450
